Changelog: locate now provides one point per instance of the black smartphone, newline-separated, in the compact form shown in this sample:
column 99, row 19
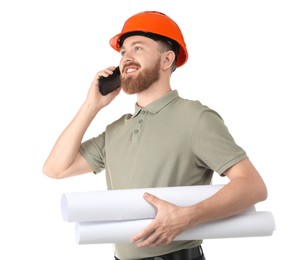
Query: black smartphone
column 110, row 83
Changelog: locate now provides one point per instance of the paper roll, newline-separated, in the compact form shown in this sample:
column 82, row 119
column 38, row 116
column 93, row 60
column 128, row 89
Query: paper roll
column 128, row 204
column 116, row 215
column 249, row 224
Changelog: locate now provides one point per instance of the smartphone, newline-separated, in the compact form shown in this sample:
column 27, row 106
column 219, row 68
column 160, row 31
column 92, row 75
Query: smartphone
column 110, row 83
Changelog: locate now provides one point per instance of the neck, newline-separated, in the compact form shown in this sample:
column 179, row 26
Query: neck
column 153, row 93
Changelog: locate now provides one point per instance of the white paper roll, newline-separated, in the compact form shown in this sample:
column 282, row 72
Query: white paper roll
column 249, row 224
column 128, row 204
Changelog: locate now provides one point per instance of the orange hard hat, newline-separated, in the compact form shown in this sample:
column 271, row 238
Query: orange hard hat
column 156, row 23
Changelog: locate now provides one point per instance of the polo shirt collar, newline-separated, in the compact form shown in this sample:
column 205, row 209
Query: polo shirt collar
column 158, row 104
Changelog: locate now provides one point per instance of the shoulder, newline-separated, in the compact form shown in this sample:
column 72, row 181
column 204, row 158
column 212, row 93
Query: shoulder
column 194, row 109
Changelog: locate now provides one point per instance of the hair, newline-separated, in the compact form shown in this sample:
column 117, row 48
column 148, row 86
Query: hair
column 166, row 44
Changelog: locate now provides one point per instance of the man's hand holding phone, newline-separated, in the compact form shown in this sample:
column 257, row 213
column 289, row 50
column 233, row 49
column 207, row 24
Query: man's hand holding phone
column 95, row 97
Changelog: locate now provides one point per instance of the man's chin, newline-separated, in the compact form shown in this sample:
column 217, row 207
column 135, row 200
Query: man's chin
column 128, row 90
column 131, row 91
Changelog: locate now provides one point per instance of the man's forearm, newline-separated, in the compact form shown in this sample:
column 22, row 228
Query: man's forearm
column 67, row 145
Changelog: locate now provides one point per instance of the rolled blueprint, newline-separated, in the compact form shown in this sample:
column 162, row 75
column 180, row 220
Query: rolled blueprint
column 115, row 205
column 249, row 224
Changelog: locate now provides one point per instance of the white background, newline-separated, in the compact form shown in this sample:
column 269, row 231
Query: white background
column 242, row 63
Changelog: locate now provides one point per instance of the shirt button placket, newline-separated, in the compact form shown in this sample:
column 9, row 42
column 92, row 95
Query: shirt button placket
column 138, row 125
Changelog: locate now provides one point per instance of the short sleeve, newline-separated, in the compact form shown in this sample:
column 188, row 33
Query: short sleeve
column 213, row 145
column 93, row 150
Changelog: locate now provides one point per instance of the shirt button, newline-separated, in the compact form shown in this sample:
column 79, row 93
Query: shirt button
column 135, row 131
column 140, row 121
column 142, row 112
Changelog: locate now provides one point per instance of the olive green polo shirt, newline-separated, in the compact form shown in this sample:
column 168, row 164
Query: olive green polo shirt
column 171, row 142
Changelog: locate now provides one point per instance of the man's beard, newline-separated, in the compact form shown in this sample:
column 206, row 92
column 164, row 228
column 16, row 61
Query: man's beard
column 143, row 80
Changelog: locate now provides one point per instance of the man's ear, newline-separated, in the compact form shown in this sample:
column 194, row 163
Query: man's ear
column 168, row 59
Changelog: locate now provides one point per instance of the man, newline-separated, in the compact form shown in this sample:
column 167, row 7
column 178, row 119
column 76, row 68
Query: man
column 168, row 141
